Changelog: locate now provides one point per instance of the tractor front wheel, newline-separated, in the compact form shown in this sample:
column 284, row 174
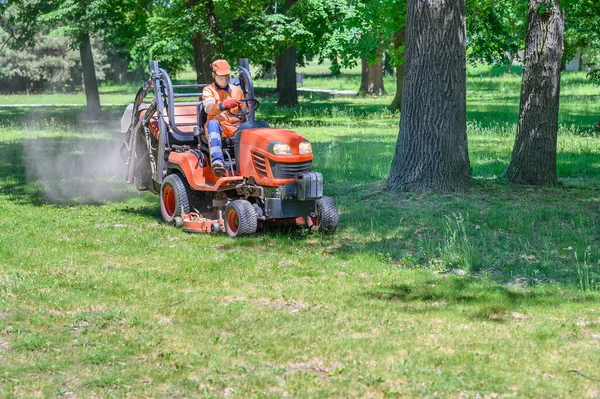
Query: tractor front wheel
column 240, row 218
column 326, row 219
column 174, row 198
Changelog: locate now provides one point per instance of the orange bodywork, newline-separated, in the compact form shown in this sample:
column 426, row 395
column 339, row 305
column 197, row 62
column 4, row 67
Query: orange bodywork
column 254, row 160
column 254, row 157
column 200, row 178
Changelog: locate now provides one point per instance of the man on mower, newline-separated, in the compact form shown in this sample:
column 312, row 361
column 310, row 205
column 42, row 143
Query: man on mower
column 220, row 100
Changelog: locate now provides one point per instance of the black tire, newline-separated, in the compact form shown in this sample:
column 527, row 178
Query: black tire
column 174, row 197
column 327, row 216
column 240, row 218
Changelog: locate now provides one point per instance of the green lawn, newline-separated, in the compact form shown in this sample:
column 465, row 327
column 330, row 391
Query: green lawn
column 492, row 293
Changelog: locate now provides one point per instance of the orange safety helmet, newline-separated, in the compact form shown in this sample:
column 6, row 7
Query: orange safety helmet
column 220, row 67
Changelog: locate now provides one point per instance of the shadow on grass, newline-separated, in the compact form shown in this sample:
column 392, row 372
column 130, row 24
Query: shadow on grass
column 63, row 171
column 481, row 300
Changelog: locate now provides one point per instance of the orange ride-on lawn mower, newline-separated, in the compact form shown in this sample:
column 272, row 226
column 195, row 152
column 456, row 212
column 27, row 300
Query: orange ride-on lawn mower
column 269, row 179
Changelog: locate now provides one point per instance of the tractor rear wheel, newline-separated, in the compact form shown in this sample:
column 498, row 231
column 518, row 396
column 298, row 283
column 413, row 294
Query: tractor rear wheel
column 327, row 216
column 240, row 218
column 174, row 197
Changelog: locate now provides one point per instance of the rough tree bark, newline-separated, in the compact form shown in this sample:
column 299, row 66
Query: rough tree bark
column 533, row 158
column 207, row 44
column 285, row 63
column 399, row 40
column 432, row 151
column 90, row 83
column 372, row 77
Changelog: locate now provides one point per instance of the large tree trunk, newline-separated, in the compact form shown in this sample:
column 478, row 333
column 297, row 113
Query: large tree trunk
column 372, row 77
column 432, row 151
column 90, row 84
column 285, row 64
column 207, row 43
column 399, row 40
column 534, row 154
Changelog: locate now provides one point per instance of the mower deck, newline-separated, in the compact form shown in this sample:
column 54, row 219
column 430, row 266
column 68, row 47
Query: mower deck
column 196, row 223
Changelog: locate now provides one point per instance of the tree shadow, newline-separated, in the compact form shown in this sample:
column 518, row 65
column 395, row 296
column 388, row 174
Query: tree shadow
column 478, row 299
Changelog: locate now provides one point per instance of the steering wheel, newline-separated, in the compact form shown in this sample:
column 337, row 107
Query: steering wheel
column 245, row 110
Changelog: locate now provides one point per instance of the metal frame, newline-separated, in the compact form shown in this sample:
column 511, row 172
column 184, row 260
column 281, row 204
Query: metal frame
column 165, row 94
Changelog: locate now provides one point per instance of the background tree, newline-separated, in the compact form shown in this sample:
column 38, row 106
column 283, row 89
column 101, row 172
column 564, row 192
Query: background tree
column 582, row 33
column 399, row 41
column 31, row 59
column 281, row 33
column 77, row 19
column 534, row 154
column 496, row 31
column 368, row 30
column 432, row 149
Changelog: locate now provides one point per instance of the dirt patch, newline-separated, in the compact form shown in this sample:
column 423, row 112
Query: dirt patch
column 489, row 271
column 290, row 306
column 530, row 258
column 519, row 316
column 4, row 346
column 75, row 312
column 167, row 321
column 519, row 281
column 316, row 365
column 459, row 272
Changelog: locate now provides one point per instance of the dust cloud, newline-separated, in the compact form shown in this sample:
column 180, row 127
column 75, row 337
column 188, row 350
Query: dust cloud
column 76, row 170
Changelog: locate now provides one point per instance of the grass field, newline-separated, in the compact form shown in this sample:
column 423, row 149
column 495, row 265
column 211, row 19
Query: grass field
column 492, row 293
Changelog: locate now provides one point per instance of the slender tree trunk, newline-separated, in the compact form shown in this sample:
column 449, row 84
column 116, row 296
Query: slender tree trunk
column 509, row 66
column 286, row 78
column 534, row 153
column 207, row 43
column 372, row 77
column 202, row 59
column 432, row 151
column 92, row 97
column 399, row 40
column 387, row 65
column 285, row 64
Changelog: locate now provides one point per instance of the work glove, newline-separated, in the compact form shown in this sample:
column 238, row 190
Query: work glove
column 228, row 104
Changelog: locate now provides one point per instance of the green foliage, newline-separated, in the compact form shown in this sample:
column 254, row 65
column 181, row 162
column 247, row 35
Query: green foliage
column 582, row 29
column 167, row 38
column 260, row 30
column 367, row 30
column 48, row 64
column 495, row 31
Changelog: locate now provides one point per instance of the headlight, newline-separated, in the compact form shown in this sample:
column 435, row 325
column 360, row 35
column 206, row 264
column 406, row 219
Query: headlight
column 280, row 148
column 305, row 148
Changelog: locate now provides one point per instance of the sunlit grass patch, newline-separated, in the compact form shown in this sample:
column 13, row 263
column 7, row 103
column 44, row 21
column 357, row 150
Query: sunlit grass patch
column 493, row 292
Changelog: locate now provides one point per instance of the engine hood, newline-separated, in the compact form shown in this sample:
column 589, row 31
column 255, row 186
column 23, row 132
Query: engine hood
column 261, row 137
